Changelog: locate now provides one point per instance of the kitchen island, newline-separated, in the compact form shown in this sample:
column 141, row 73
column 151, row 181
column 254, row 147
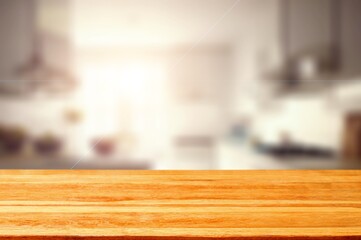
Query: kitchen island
column 116, row 204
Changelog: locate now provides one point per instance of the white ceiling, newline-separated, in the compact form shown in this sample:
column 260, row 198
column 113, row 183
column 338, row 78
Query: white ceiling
column 156, row 22
column 166, row 22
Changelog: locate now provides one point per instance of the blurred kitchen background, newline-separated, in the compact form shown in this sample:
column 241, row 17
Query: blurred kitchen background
column 180, row 84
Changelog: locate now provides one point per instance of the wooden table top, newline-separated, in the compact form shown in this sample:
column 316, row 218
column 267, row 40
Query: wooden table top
column 82, row 204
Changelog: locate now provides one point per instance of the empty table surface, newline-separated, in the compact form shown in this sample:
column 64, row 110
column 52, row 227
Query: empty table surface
column 116, row 204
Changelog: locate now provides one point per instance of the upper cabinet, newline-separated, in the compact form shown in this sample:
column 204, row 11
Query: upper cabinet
column 308, row 27
column 351, row 36
column 320, row 40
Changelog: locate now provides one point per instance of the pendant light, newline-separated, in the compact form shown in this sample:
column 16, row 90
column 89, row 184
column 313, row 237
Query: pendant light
column 36, row 75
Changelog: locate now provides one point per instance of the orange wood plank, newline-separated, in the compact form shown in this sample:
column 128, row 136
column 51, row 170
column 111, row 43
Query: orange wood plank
column 81, row 204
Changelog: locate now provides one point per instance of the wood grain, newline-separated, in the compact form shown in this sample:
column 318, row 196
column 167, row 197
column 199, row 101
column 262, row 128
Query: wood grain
column 81, row 204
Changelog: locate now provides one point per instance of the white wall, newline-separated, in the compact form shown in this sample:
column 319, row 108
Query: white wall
column 258, row 51
column 199, row 91
column 160, row 22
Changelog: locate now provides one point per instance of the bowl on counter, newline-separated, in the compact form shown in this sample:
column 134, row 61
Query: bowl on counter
column 47, row 144
column 104, row 146
column 12, row 139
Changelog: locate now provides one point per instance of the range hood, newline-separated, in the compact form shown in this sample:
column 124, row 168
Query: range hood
column 311, row 37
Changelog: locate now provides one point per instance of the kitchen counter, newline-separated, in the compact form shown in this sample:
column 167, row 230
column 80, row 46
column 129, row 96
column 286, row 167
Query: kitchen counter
column 113, row 204
column 236, row 156
column 64, row 162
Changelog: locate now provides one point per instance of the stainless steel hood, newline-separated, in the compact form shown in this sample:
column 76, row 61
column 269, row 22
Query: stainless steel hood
column 311, row 36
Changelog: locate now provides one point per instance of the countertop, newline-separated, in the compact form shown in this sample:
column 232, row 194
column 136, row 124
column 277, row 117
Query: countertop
column 116, row 204
column 235, row 156
column 65, row 163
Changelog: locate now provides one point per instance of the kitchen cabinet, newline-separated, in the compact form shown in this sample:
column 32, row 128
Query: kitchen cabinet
column 319, row 40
